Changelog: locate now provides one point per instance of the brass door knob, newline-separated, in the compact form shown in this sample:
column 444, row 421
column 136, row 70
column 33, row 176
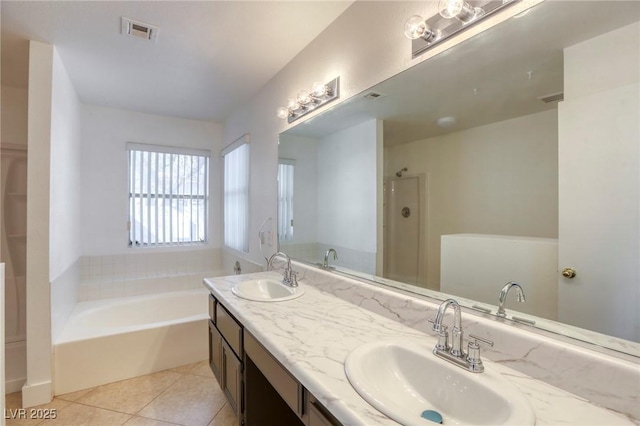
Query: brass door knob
column 568, row 272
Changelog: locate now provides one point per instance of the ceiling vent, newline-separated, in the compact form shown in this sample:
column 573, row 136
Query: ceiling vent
column 139, row 29
column 372, row 95
column 554, row 97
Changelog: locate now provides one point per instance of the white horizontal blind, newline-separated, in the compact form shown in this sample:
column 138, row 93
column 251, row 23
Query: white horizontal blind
column 286, row 169
column 168, row 196
column 236, row 198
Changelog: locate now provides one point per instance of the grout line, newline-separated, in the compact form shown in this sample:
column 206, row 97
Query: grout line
column 158, row 396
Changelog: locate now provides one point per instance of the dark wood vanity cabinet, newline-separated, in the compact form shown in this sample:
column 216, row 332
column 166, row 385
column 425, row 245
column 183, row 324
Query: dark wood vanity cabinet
column 259, row 389
column 225, row 354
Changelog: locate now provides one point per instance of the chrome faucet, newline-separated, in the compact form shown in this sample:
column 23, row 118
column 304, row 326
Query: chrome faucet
column 453, row 353
column 325, row 264
column 502, row 298
column 290, row 277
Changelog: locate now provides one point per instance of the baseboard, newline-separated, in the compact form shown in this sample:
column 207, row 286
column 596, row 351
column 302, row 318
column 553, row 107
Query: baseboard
column 37, row 394
column 15, row 385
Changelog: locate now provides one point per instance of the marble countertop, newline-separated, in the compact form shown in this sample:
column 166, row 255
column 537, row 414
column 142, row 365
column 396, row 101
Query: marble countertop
column 312, row 335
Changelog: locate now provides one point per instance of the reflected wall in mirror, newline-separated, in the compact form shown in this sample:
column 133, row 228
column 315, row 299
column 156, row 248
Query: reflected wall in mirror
column 510, row 157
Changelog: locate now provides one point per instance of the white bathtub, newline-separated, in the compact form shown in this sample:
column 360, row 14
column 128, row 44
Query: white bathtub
column 114, row 339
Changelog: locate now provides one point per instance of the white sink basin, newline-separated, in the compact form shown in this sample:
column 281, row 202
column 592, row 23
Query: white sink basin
column 403, row 379
column 266, row 290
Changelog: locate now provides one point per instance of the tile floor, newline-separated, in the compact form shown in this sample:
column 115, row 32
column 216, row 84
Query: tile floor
column 187, row 395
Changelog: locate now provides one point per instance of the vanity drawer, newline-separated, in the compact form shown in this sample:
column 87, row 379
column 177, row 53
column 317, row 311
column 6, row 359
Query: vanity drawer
column 230, row 329
column 286, row 386
column 213, row 304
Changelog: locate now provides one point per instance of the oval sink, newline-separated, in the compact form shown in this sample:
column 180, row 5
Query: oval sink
column 402, row 380
column 266, row 290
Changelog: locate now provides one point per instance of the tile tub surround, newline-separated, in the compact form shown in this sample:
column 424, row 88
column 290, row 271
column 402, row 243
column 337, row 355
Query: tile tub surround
column 145, row 271
column 312, row 335
column 605, row 380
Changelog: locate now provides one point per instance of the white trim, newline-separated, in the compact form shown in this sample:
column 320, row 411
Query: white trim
column 37, row 394
column 287, row 161
column 246, row 138
column 134, row 146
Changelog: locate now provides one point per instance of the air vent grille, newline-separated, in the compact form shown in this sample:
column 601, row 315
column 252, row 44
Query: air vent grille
column 372, row 95
column 554, row 97
column 139, row 29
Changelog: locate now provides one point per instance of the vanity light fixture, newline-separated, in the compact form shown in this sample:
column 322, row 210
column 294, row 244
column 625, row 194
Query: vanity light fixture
column 307, row 101
column 453, row 17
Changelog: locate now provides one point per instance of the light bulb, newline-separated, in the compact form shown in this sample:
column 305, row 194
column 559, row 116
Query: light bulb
column 450, row 8
column 460, row 10
column 415, row 27
column 282, row 112
column 319, row 89
column 304, row 97
column 292, row 104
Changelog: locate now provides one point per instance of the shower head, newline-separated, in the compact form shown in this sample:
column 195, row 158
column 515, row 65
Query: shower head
column 399, row 173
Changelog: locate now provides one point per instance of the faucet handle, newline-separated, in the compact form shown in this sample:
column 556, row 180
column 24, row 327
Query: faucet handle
column 482, row 339
column 293, row 278
column 473, row 353
column 443, row 339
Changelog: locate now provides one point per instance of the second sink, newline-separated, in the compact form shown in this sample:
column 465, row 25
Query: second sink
column 402, row 380
column 266, row 290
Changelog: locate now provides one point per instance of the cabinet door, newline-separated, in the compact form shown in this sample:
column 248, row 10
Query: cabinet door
column 215, row 351
column 232, row 378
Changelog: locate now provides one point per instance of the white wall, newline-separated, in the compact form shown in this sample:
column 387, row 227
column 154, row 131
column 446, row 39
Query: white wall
column 14, row 115
column 347, row 190
column 599, row 153
column 501, row 178
column 64, row 196
column 364, row 46
column 105, row 132
column 65, row 177
column 305, row 186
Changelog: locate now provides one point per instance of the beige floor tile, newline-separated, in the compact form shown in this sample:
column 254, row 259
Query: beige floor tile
column 225, row 417
column 143, row 421
column 201, row 369
column 191, row 401
column 184, row 369
column 83, row 415
column 129, row 396
column 13, row 400
column 74, row 396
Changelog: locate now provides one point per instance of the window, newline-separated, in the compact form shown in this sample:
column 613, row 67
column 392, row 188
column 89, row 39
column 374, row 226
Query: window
column 168, row 195
column 236, row 195
column 286, row 170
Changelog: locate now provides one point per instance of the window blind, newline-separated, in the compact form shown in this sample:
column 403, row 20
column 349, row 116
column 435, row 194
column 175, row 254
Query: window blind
column 236, row 197
column 286, row 169
column 168, row 195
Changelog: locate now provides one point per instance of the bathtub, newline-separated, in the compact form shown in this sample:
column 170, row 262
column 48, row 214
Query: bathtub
column 115, row 339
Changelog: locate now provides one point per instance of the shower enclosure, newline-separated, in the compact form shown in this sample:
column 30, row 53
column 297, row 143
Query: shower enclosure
column 13, row 253
column 404, row 226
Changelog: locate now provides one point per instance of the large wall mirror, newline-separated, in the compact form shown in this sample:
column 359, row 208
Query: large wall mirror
column 513, row 156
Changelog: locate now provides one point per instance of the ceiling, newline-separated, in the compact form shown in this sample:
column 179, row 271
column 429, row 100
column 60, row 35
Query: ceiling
column 484, row 79
column 210, row 56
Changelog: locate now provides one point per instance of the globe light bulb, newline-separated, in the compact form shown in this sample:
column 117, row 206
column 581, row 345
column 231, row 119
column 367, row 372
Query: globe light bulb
column 450, row 8
column 415, row 27
column 282, row 112
column 460, row 10
column 292, row 104
column 304, row 97
column 319, row 89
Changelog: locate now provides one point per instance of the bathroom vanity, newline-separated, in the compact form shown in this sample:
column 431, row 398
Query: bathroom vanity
column 258, row 388
column 287, row 359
